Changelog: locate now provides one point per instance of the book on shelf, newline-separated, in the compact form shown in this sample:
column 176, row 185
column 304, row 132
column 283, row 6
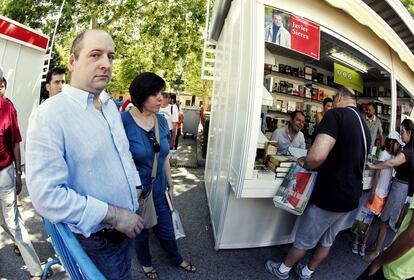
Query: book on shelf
column 291, row 106
column 295, row 191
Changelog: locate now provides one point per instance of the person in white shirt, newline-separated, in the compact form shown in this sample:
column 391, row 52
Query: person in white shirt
column 170, row 112
column 290, row 135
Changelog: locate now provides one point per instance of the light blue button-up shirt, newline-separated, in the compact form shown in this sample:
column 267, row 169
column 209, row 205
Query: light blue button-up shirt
column 78, row 161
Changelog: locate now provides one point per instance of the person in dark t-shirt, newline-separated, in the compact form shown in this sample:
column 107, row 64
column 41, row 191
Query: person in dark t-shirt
column 338, row 154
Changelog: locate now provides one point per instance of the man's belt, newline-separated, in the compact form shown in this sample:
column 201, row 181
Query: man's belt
column 111, row 235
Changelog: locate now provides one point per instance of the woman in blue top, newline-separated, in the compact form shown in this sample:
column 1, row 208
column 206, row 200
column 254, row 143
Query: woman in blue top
column 146, row 95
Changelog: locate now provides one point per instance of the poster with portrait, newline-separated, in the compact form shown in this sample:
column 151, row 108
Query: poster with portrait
column 292, row 32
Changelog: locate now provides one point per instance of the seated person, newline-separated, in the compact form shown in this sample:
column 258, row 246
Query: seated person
column 290, row 135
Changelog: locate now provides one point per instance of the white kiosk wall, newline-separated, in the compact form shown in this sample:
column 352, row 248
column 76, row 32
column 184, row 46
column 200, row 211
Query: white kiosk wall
column 22, row 63
column 241, row 208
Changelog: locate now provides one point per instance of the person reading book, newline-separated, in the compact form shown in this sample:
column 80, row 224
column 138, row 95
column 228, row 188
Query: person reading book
column 338, row 154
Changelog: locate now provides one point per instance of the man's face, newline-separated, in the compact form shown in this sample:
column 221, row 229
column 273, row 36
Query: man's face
column 165, row 101
column 2, row 89
column 92, row 70
column 56, row 84
column 328, row 106
column 298, row 122
column 370, row 111
column 277, row 20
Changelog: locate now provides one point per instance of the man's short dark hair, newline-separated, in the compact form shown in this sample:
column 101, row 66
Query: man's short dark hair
column 4, row 81
column 294, row 113
column 77, row 44
column 54, row 71
column 327, row 100
column 143, row 86
column 372, row 105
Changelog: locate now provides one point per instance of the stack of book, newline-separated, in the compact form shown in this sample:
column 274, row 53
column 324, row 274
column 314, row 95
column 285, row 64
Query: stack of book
column 280, row 164
column 262, row 172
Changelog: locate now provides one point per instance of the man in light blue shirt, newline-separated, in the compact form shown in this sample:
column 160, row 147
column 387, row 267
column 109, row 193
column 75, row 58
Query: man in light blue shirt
column 290, row 135
column 78, row 165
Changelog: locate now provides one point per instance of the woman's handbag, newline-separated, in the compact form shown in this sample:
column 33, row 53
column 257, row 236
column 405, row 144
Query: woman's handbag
column 178, row 226
column 146, row 202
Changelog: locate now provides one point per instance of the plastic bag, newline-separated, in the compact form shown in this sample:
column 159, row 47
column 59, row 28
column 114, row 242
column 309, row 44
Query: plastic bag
column 178, row 226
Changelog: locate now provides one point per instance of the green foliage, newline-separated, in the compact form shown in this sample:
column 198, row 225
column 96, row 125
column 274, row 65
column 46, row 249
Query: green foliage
column 409, row 4
column 162, row 36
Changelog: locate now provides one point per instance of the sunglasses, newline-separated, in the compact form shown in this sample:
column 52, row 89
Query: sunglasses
column 153, row 140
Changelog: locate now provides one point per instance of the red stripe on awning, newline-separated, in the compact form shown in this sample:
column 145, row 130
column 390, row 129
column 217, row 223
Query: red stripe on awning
column 22, row 34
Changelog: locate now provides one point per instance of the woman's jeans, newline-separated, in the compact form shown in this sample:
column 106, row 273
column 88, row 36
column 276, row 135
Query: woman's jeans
column 164, row 231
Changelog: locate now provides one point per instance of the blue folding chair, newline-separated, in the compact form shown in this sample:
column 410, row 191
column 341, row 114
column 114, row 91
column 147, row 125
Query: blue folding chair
column 75, row 261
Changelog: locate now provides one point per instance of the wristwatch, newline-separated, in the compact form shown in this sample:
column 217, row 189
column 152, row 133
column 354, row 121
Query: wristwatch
column 18, row 172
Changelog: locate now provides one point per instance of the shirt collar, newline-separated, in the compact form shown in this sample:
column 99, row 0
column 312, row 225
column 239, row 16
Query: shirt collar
column 368, row 119
column 84, row 97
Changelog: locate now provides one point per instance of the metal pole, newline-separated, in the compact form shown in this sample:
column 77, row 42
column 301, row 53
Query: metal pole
column 54, row 33
column 205, row 38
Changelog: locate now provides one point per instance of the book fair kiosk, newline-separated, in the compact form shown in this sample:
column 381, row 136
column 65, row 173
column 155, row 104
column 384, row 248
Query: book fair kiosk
column 260, row 77
column 22, row 54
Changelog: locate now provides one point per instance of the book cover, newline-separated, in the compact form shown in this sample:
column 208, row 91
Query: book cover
column 294, row 192
column 362, row 221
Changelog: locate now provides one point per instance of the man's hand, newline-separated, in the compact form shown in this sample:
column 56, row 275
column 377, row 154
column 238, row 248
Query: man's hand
column 18, row 184
column 124, row 221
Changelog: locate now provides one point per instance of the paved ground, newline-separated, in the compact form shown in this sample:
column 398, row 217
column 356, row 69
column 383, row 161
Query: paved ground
column 197, row 246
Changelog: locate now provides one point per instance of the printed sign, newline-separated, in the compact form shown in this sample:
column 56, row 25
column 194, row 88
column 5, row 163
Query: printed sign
column 348, row 77
column 292, row 32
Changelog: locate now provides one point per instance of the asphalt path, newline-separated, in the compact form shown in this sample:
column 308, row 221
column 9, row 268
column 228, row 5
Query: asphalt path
column 198, row 246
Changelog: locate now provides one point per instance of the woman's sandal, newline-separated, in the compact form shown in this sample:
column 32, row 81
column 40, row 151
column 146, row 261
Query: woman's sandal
column 189, row 267
column 152, row 274
column 16, row 251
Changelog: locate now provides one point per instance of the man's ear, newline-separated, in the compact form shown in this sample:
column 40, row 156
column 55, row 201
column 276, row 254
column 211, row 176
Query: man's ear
column 71, row 62
column 48, row 87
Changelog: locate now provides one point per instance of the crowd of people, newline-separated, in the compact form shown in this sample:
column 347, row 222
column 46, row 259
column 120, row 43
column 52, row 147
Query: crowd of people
column 86, row 164
column 339, row 152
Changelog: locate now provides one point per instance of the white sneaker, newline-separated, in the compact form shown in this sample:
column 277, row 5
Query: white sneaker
column 298, row 269
column 355, row 248
column 273, row 268
column 362, row 250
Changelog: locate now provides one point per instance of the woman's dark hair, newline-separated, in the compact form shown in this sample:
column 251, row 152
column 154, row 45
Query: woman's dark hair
column 143, row 86
column 408, row 126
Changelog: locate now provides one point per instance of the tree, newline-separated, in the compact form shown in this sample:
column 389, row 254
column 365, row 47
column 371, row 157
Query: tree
column 409, row 4
column 150, row 35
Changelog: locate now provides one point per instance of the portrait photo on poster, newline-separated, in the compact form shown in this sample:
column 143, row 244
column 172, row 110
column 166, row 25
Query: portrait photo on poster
column 292, row 31
column 277, row 27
